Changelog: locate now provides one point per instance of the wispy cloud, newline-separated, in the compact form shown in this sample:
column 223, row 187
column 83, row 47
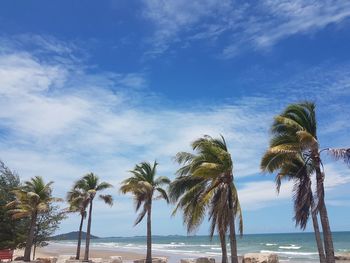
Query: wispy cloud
column 60, row 120
column 238, row 25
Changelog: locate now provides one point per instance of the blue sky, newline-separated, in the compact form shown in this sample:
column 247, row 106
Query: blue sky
column 101, row 85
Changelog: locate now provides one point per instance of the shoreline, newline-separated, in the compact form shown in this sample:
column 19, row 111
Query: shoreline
column 55, row 249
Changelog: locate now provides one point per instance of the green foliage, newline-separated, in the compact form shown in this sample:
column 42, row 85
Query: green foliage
column 293, row 147
column 32, row 198
column 12, row 233
column 46, row 225
column 78, row 201
column 143, row 184
column 205, row 182
column 87, row 187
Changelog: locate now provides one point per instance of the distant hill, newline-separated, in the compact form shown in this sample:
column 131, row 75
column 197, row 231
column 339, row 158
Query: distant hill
column 71, row 236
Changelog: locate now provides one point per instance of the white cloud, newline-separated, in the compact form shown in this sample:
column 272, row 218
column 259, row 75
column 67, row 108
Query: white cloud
column 240, row 25
column 59, row 121
column 257, row 195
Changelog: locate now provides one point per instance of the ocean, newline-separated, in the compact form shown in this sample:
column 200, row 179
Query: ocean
column 291, row 247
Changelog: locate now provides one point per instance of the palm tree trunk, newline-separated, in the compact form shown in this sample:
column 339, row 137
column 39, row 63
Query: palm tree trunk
column 327, row 234
column 318, row 237
column 87, row 243
column 79, row 237
column 149, row 235
column 233, row 240
column 30, row 238
column 223, row 246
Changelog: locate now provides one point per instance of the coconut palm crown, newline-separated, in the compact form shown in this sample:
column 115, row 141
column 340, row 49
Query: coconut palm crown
column 294, row 132
column 143, row 184
column 205, row 181
column 90, row 185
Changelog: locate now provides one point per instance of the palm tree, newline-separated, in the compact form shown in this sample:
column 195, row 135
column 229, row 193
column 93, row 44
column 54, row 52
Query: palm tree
column 90, row 185
column 205, row 181
column 31, row 200
column 300, row 172
column 188, row 191
column 295, row 131
column 78, row 203
column 142, row 185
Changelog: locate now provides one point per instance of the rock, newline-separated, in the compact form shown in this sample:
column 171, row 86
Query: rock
column 116, row 259
column 64, row 258
column 154, row 260
column 160, row 260
column 198, row 260
column 205, row 260
column 260, row 258
column 47, row 260
column 95, row 260
column 18, row 259
column 72, row 261
column 342, row 256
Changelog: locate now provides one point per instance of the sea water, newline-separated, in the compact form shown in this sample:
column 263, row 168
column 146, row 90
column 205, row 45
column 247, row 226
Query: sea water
column 291, row 247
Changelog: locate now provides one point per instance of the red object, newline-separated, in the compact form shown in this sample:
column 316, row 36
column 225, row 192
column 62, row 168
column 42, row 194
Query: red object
column 6, row 254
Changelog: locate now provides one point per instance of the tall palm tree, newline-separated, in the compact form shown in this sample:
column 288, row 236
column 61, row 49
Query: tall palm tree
column 300, row 172
column 31, row 200
column 90, row 185
column 204, row 180
column 78, row 203
column 142, row 185
column 295, row 131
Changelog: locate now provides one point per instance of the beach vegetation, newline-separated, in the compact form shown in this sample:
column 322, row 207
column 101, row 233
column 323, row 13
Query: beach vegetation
column 78, row 201
column 145, row 186
column 31, row 200
column 205, row 182
column 13, row 232
column 294, row 133
column 300, row 173
column 90, row 185
column 46, row 225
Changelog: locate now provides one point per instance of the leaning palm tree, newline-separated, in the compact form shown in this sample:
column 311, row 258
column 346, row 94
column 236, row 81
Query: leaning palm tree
column 78, row 202
column 300, row 172
column 295, row 131
column 204, row 180
column 219, row 215
column 30, row 201
column 188, row 192
column 90, row 185
column 142, row 185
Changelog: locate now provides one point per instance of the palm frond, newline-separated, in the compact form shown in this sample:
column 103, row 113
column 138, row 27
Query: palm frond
column 141, row 216
column 108, row 199
column 163, row 194
column 103, row 186
column 342, row 154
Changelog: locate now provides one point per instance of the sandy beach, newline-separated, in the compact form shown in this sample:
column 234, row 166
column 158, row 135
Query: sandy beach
column 55, row 250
